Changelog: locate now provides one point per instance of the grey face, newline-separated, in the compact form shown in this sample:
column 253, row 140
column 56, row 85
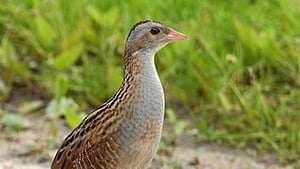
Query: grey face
column 142, row 28
column 148, row 36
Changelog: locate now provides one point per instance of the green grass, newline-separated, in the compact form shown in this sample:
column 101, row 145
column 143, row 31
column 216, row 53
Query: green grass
column 238, row 75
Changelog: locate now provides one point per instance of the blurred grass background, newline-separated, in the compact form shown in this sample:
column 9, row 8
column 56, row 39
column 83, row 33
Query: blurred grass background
column 237, row 77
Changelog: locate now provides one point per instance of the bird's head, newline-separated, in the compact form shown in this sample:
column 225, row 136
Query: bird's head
column 151, row 36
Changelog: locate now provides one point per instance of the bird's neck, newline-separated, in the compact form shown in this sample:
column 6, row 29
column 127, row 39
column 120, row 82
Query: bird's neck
column 140, row 72
column 140, row 67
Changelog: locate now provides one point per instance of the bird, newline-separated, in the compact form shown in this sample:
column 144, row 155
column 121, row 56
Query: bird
column 125, row 131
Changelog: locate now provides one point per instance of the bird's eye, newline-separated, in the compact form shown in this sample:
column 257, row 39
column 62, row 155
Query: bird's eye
column 154, row 31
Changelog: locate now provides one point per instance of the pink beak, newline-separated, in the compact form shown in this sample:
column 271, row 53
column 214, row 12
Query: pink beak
column 175, row 36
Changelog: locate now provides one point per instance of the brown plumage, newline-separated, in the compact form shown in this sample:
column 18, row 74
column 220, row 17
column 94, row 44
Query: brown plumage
column 125, row 131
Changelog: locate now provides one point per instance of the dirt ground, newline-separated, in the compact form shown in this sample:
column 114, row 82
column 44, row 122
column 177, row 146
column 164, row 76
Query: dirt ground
column 34, row 148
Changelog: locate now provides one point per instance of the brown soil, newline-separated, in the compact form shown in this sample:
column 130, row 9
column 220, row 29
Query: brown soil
column 34, row 148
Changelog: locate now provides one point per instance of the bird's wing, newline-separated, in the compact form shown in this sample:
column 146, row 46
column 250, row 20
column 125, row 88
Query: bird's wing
column 94, row 139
